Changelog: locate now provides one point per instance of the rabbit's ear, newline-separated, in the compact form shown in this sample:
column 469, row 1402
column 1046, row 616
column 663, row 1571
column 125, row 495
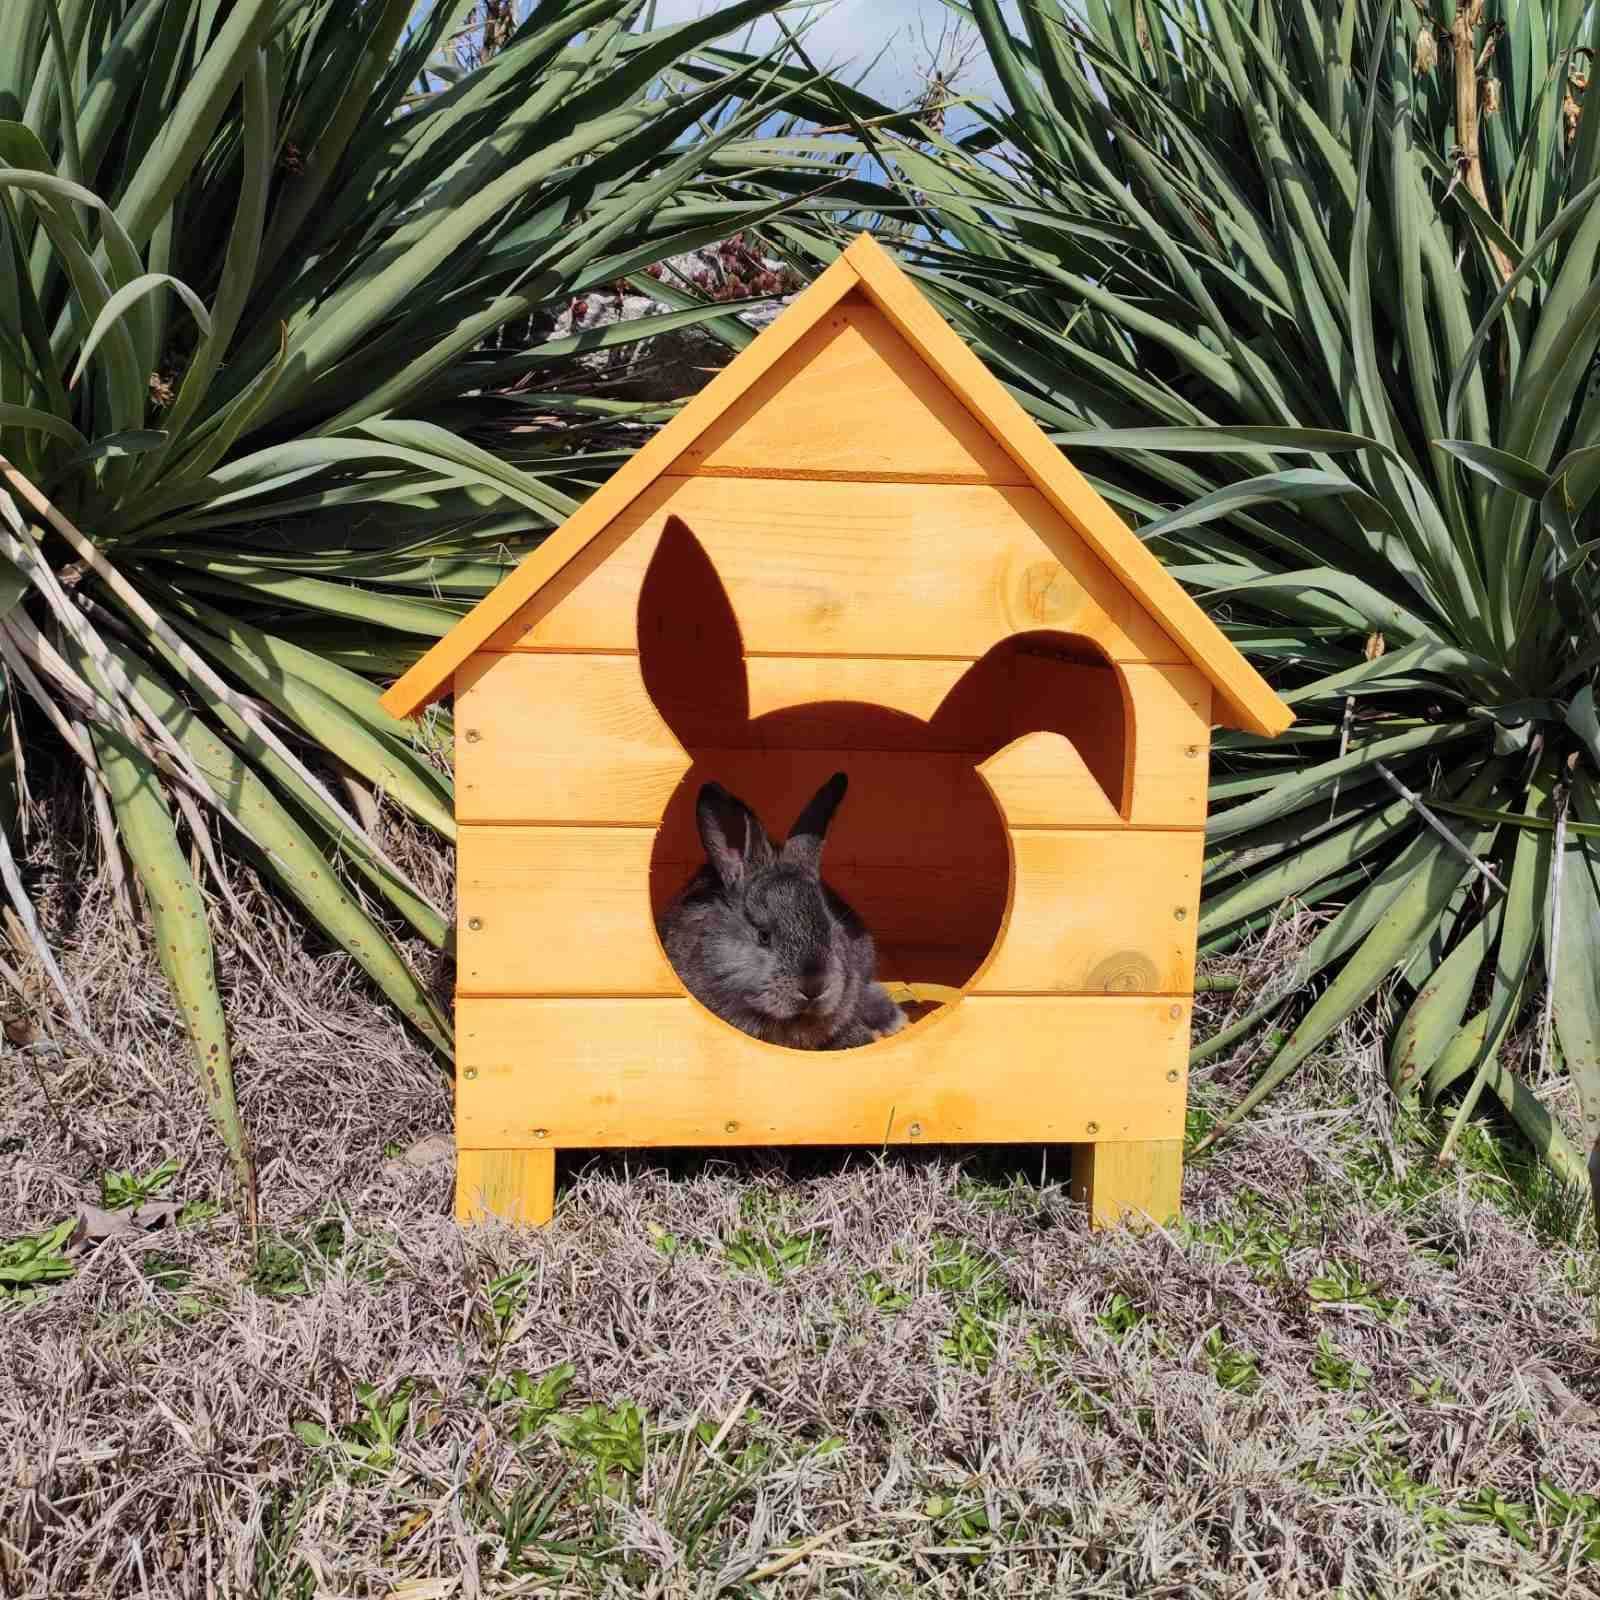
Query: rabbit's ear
column 736, row 843
column 803, row 848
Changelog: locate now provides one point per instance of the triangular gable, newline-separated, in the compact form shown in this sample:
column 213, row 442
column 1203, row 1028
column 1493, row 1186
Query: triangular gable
column 713, row 421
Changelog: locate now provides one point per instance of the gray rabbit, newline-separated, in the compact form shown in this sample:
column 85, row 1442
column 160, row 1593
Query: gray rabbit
column 759, row 938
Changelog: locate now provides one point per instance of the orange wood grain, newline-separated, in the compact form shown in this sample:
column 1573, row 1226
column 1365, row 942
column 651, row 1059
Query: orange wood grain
column 561, row 738
column 666, row 1072
column 1139, row 1183
column 854, row 569
column 1098, row 913
column 557, row 911
column 850, row 400
column 512, row 1185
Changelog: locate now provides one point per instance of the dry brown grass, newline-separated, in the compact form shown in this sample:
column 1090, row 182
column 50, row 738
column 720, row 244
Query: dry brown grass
column 853, row 1375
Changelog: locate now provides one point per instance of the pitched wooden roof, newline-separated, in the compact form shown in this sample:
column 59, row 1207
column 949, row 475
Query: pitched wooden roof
column 1244, row 698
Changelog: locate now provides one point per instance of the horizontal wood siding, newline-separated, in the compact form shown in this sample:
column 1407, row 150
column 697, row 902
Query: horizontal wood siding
column 567, row 911
column 853, row 569
column 593, row 1073
column 561, row 738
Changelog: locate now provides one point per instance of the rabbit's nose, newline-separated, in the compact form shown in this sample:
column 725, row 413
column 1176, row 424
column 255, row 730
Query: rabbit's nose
column 812, row 982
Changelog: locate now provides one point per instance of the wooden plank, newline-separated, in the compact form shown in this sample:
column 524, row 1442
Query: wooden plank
column 432, row 675
column 557, row 911
column 1097, row 913
column 1245, row 698
column 561, row 738
column 1138, row 1182
column 1171, row 748
column 850, row 400
column 852, row 569
column 592, row 1073
column 513, row 1185
column 1041, row 781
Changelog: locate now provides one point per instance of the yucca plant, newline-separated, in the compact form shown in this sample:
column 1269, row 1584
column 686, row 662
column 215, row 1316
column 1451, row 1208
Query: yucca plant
column 250, row 255
column 1313, row 294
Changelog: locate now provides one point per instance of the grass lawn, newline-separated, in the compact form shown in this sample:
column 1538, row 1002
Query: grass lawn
column 786, row 1374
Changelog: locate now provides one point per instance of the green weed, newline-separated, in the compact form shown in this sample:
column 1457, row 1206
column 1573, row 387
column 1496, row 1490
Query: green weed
column 611, row 1438
column 31, row 1263
column 1334, row 1371
column 369, row 1443
column 120, row 1191
column 882, row 1295
column 1339, row 1283
column 1118, row 1317
column 772, row 1252
column 1233, row 1368
column 536, row 1399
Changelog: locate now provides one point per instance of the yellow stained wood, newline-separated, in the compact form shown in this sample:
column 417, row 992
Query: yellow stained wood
column 850, row 399
column 855, row 569
column 1099, row 913
column 561, row 738
column 596, row 1073
column 513, row 1185
column 1138, row 1182
column 431, row 676
column 557, row 911
column 1245, row 698
column 1081, row 515
column 1041, row 780
column 1171, row 747
column 786, row 683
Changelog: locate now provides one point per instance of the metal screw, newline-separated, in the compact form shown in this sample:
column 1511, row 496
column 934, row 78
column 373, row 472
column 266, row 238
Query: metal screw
column 1092, row 1127
column 475, row 923
column 1172, row 1077
column 473, row 736
column 730, row 1127
column 1191, row 750
column 541, row 1133
column 1182, row 913
column 1175, row 1012
column 915, row 1130
column 472, row 1072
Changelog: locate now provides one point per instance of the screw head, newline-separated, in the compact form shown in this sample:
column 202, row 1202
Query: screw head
column 473, row 736
column 471, row 1072
column 1190, row 750
column 1091, row 1127
column 541, row 1133
column 730, row 1127
column 1175, row 1012
column 475, row 923
column 1181, row 913
column 1172, row 1077
column 915, row 1130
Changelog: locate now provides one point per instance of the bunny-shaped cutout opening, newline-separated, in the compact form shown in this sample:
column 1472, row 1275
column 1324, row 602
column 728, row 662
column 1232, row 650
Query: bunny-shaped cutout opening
column 920, row 849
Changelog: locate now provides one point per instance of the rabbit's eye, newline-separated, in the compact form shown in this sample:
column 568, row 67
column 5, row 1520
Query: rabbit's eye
column 763, row 937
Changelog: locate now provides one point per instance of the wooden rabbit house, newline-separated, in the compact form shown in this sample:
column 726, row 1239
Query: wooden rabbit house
column 852, row 551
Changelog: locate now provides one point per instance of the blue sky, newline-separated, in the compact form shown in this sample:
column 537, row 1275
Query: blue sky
column 845, row 31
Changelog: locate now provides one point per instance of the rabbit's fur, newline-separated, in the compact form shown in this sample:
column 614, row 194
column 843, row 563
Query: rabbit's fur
column 758, row 938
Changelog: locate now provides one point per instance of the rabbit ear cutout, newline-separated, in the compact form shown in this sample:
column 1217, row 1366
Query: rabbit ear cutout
column 735, row 842
column 691, row 654
column 803, row 847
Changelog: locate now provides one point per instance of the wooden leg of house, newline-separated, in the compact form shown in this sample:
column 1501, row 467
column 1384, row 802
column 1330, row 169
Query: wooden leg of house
column 514, row 1185
column 1140, row 1181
